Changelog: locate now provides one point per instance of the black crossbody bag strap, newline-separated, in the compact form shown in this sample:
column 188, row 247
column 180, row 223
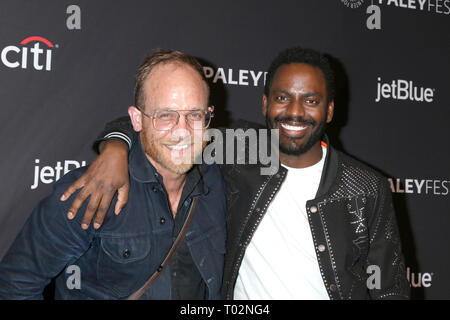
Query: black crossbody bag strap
column 165, row 263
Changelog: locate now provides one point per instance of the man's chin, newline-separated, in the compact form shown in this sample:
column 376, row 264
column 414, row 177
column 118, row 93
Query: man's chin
column 297, row 149
column 293, row 150
column 297, row 146
column 171, row 162
column 178, row 169
column 176, row 160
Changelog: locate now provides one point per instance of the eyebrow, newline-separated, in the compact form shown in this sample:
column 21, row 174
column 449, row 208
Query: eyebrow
column 307, row 95
column 170, row 109
column 311, row 94
column 280, row 91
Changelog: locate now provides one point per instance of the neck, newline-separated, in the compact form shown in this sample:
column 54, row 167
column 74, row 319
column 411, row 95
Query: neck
column 307, row 159
column 173, row 184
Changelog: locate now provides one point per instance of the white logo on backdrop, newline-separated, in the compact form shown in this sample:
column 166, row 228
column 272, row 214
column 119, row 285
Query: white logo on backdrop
column 38, row 57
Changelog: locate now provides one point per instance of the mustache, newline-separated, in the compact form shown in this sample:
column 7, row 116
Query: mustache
column 300, row 120
column 174, row 142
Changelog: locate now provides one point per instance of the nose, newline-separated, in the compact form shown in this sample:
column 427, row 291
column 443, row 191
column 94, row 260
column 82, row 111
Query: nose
column 296, row 109
column 181, row 130
column 182, row 123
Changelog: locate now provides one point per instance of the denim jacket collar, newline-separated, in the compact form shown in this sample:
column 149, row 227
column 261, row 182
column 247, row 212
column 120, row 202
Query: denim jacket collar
column 140, row 167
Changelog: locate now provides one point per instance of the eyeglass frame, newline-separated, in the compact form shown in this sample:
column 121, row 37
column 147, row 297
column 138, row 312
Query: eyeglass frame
column 179, row 115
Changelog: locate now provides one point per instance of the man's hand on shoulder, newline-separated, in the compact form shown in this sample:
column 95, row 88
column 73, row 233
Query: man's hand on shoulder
column 107, row 175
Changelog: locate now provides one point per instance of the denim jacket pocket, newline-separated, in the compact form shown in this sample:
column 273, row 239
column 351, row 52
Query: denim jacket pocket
column 122, row 261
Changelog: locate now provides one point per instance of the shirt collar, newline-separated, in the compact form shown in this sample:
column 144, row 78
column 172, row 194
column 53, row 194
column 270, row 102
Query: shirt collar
column 140, row 167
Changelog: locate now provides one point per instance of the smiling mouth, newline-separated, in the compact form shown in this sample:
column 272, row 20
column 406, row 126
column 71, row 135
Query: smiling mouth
column 178, row 146
column 293, row 128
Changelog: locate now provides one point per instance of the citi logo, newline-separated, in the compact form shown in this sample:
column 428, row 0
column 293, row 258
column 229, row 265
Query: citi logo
column 40, row 54
column 403, row 90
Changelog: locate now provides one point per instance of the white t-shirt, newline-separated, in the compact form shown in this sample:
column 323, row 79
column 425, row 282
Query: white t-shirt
column 280, row 262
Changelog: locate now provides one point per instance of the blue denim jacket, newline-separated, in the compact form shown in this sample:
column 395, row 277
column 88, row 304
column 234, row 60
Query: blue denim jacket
column 115, row 260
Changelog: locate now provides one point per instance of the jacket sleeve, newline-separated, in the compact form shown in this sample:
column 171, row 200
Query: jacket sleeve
column 385, row 260
column 118, row 129
column 47, row 244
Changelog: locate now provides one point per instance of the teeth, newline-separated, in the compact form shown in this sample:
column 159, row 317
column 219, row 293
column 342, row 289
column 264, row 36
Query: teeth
column 294, row 128
column 178, row 146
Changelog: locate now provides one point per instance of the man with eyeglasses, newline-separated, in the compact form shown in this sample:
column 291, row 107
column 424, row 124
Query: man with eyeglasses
column 170, row 116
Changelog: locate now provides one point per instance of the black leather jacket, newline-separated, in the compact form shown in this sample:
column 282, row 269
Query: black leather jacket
column 352, row 221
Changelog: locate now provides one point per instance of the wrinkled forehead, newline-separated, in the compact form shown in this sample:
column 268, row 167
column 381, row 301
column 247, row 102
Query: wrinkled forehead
column 175, row 85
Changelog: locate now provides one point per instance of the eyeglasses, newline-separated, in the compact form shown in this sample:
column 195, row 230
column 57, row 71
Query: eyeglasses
column 165, row 120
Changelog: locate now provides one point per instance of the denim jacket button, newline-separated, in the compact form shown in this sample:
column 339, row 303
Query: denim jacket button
column 313, row 209
column 126, row 253
column 321, row 248
column 162, row 220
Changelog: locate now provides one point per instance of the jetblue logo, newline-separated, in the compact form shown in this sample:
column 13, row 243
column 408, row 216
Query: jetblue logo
column 419, row 279
column 403, row 90
column 50, row 174
column 35, row 52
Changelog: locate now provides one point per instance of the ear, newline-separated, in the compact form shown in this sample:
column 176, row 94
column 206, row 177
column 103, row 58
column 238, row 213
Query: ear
column 264, row 104
column 330, row 111
column 136, row 118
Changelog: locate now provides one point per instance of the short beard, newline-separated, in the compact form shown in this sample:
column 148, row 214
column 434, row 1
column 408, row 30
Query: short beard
column 151, row 149
column 291, row 149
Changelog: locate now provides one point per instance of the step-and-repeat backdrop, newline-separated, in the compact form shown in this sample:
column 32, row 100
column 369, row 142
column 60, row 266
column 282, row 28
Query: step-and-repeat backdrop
column 67, row 67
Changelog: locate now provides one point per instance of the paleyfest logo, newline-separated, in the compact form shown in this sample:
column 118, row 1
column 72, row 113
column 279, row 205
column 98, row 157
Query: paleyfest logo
column 373, row 21
column 353, row 3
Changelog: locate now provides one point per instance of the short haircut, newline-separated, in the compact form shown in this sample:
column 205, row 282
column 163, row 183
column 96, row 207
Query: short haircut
column 161, row 56
column 301, row 55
